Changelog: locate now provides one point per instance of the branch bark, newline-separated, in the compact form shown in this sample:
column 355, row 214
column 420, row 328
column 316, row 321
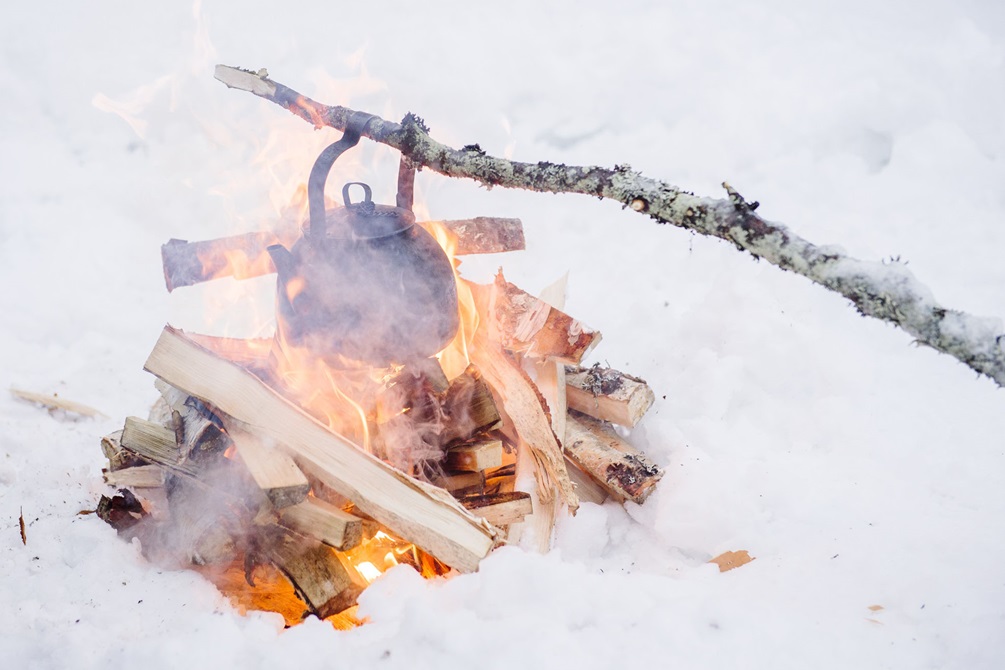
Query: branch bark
column 888, row 292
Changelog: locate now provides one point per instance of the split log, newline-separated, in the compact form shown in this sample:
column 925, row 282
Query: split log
column 324, row 582
column 252, row 353
column 501, row 479
column 608, row 395
column 244, row 256
column 519, row 398
column 623, row 470
column 272, row 469
column 197, row 430
column 138, row 476
column 538, row 529
column 530, row 326
column 525, row 407
column 206, row 523
column 587, row 488
column 118, row 458
column 475, row 456
column 885, row 291
column 417, row 512
column 462, row 483
column 153, row 442
column 500, row 509
column 324, row 521
column 468, row 407
column 481, row 235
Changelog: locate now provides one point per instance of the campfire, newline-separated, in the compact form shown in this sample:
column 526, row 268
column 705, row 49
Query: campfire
column 400, row 414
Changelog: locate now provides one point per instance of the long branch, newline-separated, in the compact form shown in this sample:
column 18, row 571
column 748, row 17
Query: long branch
column 884, row 291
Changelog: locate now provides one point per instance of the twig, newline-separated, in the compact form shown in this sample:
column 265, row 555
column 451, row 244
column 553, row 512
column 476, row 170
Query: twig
column 883, row 291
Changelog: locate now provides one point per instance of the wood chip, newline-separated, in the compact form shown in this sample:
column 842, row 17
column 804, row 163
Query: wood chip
column 732, row 559
column 24, row 536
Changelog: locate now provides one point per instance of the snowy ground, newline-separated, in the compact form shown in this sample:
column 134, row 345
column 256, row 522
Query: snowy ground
column 858, row 469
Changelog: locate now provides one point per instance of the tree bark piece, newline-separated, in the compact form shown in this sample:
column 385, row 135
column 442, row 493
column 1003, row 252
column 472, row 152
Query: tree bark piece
column 326, row 584
column 608, row 395
column 532, row 327
column 475, row 456
column 482, row 234
column 272, row 469
column 417, row 512
column 319, row 519
column 500, row 509
column 620, row 468
column 885, row 291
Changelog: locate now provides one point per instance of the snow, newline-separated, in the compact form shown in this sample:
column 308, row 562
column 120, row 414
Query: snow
column 857, row 469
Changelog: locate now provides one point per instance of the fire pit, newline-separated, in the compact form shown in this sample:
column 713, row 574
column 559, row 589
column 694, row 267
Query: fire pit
column 400, row 414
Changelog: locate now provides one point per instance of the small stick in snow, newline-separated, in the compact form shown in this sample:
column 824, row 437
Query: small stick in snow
column 55, row 404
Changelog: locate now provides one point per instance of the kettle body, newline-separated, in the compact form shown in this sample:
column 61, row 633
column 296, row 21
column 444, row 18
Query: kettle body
column 363, row 285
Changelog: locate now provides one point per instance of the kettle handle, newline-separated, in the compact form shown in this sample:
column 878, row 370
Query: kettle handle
column 354, row 127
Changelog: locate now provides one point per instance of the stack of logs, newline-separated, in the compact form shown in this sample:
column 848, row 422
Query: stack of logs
column 229, row 470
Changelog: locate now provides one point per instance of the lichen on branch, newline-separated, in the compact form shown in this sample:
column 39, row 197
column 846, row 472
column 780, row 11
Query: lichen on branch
column 888, row 292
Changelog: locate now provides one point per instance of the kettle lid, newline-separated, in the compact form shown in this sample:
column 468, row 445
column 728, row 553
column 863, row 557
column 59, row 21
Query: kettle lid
column 367, row 219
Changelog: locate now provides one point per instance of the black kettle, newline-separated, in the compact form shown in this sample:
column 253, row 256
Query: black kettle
column 364, row 284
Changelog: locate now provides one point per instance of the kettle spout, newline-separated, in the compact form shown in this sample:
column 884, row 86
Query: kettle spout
column 282, row 259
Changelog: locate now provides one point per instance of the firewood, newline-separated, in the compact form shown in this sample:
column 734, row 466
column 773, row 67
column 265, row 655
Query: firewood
column 523, row 404
column 530, row 326
column 461, row 483
column 323, row 521
column 587, row 488
column 153, row 442
column 138, row 476
column 415, row 511
column 206, row 522
column 196, row 428
column 501, row 479
column 525, row 410
column 326, row 584
column 608, row 395
column 475, row 456
column 468, row 407
column 428, row 370
column 252, row 353
column 244, row 256
column 240, row 256
column 272, row 469
column 482, row 235
column 537, row 529
column 500, row 509
column 623, row 470
column 118, row 458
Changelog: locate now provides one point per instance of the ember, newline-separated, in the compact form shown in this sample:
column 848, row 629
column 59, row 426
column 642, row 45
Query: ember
column 399, row 415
